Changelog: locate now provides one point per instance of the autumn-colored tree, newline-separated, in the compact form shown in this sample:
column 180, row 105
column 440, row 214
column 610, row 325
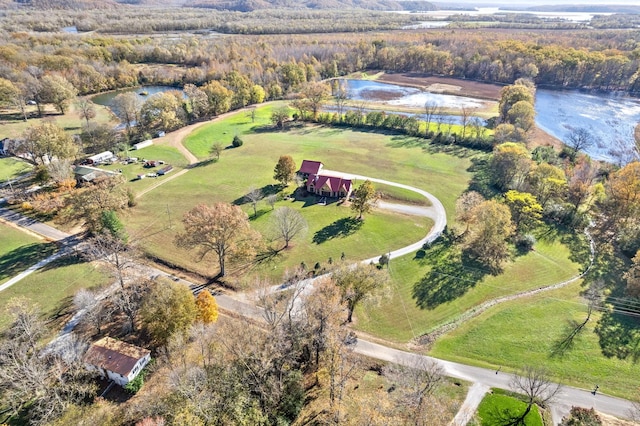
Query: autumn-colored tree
column 632, row 277
column 623, row 194
column 510, row 95
column 509, row 165
column 285, row 169
column 126, row 106
column 547, row 182
column 216, row 149
column 358, row 283
column 45, row 141
column 487, row 239
column 168, row 308
column 197, row 101
column 163, row 111
column 465, row 206
column 279, row 116
column 86, row 109
column 12, row 96
column 222, row 229
column 56, row 90
column 219, row 97
column 253, row 197
column 311, row 97
column 526, row 212
column 207, row 307
column 363, row 199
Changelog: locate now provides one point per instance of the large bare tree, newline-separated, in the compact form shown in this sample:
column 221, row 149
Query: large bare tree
column 287, row 224
column 220, row 228
column 536, row 387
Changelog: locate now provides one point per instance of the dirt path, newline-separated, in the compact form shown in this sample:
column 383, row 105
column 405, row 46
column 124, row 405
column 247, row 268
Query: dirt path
column 162, row 182
column 176, row 138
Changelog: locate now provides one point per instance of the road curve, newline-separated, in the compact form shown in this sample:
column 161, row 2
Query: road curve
column 438, row 214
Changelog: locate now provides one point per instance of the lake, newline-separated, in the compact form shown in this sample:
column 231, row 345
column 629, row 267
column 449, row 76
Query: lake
column 610, row 118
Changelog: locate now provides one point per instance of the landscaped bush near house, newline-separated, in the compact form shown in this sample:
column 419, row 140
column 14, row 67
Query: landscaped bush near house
column 136, row 384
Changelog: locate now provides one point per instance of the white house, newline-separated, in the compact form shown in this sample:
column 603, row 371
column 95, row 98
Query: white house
column 116, row 360
column 143, row 144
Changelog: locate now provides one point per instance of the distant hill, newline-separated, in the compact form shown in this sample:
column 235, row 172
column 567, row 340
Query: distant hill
column 587, row 8
column 68, row 4
column 250, row 5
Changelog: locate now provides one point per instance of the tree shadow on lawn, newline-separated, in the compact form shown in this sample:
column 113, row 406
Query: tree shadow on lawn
column 267, row 190
column 406, row 142
column 450, row 149
column 451, row 275
column 619, row 334
column 21, row 258
column 341, row 228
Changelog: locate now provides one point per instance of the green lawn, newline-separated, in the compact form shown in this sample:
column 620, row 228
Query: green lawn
column 525, row 332
column 496, row 404
column 53, row 287
column 11, row 168
column 430, row 291
column 19, row 250
column 70, row 121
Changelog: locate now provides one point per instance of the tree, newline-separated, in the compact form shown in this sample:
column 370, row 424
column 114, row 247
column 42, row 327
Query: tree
column 364, row 197
column 509, row 165
column 579, row 416
column 431, row 110
column 87, row 204
column 253, row 197
column 288, row 223
column 510, row 95
column 222, row 229
column 486, row 240
column 237, row 142
column 56, row 90
column 285, row 170
column 11, row 95
column 218, row 96
column 311, row 97
column 216, row 149
column 98, row 137
column 358, row 283
column 632, row 277
column 257, row 94
column 579, row 139
column 163, row 112
column 86, row 109
column 126, row 106
column 465, row 206
column 96, row 311
column 40, row 383
column 279, row 116
column 536, row 388
column 417, row 383
column 206, row 307
column 526, row 212
column 547, row 182
column 45, row 141
column 197, row 101
column 271, row 199
column 522, row 115
column 341, row 95
column 167, row 309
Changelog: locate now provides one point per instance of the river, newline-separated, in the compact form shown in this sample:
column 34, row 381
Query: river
column 610, row 118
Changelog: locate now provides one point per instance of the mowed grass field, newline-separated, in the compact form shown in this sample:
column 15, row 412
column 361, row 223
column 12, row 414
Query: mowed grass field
column 397, row 158
column 417, row 305
column 525, row 332
column 20, row 250
column 11, row 168
column 497, row 402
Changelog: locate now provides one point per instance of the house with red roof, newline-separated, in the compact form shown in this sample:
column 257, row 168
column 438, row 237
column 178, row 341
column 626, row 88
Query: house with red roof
column 329, row 186
column 309, row 167
column 116, row 360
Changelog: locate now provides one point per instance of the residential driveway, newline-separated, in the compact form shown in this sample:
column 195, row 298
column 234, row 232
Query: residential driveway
column 33, row 225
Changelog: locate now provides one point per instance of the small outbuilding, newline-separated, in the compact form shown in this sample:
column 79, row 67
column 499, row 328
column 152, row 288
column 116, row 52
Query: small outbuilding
column 143, row 144
column 100, row 158
column 89, row 174
column 166, row 169
column 116, row 360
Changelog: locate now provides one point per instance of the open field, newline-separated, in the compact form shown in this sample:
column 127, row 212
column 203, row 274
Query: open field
column 11, row 168
column 435, row 289
column 53, row 287
column 19, row 251
column 525, row 332
column 397, row 158
column 70, row 121
column 498, row 402
column 451, row 86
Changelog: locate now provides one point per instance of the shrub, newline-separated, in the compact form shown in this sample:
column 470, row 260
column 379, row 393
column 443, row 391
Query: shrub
column 131, row 198
column 525, row 243
column 237, row 141
column 26, row 205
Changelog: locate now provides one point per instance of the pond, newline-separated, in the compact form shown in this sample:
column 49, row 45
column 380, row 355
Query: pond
column 144, row 92
column 610, row 118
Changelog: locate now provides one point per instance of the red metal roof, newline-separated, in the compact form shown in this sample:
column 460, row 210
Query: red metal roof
column 334, row 183
column 310, row 167
column 114, row 355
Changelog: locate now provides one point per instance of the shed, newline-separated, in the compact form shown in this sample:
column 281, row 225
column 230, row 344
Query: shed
column 143, row 144
column 89, row 174
column 116, row 360
column 100, row 158
column 166, row 169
